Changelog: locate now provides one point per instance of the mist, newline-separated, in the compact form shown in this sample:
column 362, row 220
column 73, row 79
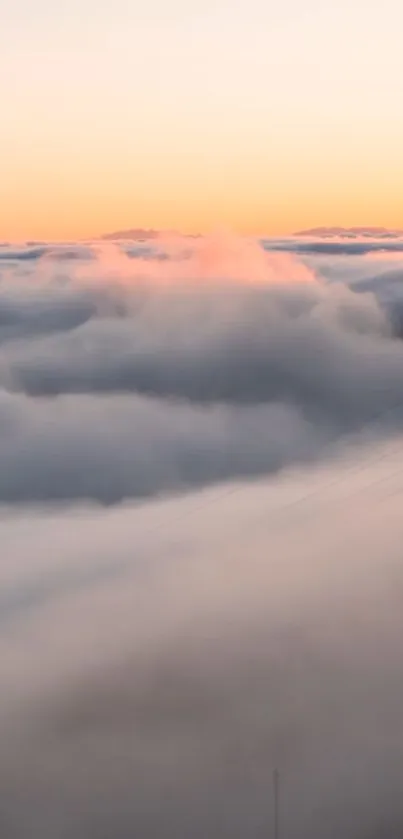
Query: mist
column 158, row 663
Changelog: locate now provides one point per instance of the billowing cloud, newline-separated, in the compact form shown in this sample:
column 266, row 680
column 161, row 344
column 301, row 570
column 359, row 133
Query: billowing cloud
column 212, row 364
column 114, row 448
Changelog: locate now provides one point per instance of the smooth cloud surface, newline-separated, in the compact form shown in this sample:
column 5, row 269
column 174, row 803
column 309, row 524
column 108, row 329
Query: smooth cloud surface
column 158, row 664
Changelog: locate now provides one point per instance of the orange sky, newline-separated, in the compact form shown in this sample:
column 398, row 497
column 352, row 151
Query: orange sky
column 236, row 115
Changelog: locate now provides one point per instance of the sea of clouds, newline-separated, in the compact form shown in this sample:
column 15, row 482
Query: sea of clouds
column 201, row 474
column 187, row 364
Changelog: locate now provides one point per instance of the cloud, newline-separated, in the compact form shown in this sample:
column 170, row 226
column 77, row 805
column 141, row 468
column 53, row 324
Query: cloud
column 159, row 660
column 335, row 247
column 321, row 349
column 109, row 449
column 22, row 254
column 29, row 313
column 39, row 251
column 158, row 699
column 216, row 363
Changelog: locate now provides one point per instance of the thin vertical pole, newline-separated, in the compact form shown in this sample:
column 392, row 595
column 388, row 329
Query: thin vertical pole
column 276, row 801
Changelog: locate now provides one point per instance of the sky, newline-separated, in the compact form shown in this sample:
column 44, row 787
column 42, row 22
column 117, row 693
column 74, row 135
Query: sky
column 256, row 116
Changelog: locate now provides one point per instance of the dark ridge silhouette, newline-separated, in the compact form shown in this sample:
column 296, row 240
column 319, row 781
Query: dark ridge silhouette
column 138, row 234
column 352, row 232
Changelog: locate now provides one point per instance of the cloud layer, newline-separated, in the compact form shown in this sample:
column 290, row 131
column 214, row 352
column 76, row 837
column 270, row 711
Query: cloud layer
column 158, row 661
column 156, row 665
column 215, row 362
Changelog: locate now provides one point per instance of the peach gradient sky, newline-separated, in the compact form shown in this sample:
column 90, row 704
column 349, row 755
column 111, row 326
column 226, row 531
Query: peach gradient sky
column 260, row 116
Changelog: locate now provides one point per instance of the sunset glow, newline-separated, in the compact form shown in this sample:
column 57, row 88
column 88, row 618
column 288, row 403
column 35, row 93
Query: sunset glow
column 252, row 116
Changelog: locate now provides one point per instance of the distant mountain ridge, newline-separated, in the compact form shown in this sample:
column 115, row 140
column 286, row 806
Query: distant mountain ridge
column 352, row 232
column 137, row 234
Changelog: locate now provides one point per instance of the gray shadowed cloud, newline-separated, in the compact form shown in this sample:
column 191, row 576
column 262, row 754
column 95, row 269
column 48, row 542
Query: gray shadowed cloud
column 27, row 312
column 36, row 252
column 326, row 350
column 108, row 449
column 335, row 248
column 175, row 375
